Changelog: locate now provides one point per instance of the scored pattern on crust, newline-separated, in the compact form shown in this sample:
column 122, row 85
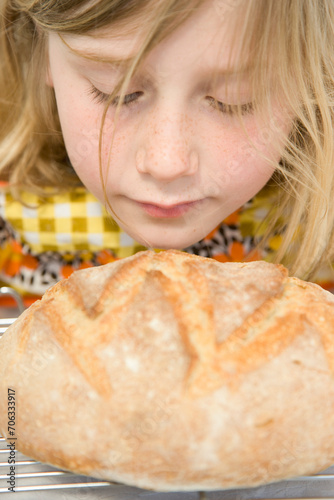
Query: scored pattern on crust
column 264, row 334
column 79, row 337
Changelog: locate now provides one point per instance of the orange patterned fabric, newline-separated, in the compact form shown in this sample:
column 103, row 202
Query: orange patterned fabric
column 31, row 262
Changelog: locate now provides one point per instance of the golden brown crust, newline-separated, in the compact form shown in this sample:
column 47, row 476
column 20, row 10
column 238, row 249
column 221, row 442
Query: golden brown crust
column 174, row 372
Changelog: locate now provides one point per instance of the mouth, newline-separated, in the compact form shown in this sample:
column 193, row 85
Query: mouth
column 168, row 211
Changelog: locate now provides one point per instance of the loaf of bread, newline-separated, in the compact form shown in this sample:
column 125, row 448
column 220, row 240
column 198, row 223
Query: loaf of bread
column 172, row 372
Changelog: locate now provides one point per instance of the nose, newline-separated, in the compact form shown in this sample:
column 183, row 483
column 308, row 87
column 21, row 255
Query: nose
column 166, row 150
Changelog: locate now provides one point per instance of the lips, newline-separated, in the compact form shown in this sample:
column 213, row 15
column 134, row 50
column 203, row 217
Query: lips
column 168, row 211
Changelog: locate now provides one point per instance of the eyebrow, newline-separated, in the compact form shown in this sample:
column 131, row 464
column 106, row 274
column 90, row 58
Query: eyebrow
column 217, row 74
column 95, row 56
column 229, row 72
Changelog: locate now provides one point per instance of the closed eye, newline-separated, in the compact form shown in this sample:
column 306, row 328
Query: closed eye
column 128, row 99
column 102, row 97
column 231, row 109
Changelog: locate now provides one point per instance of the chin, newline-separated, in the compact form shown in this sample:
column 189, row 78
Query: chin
column 166, row 235
column 165, row 242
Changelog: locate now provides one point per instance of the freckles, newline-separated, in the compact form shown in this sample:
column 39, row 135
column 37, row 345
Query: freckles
column 271, row 132
column 81, row 130
column 111, row 143
column 115, row 159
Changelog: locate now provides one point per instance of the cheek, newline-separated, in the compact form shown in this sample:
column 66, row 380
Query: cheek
column 81, row 131
column 252, row 156
column 98, row 171
column 241, row 164
column 236, row 163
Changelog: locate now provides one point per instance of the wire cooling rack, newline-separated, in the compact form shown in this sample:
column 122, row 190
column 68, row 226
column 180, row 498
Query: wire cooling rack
column 37, row 481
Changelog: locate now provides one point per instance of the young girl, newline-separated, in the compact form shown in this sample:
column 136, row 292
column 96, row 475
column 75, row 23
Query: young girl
column 200, row 125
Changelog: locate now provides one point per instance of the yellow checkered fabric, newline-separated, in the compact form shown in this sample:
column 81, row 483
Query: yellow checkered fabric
column 44, row 241
column 66, row 222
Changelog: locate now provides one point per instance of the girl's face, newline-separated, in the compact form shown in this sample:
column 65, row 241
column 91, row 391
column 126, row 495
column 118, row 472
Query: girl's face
column 179, row 164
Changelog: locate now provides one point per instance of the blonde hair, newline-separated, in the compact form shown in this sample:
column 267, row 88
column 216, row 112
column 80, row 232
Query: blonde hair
column 289, row 44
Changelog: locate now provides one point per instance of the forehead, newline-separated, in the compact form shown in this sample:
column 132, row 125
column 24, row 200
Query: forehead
column 204, row 36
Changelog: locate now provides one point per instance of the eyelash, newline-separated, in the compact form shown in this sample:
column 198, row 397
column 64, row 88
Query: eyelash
column 103, row 98
column 227, row 109
column 232, row 109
